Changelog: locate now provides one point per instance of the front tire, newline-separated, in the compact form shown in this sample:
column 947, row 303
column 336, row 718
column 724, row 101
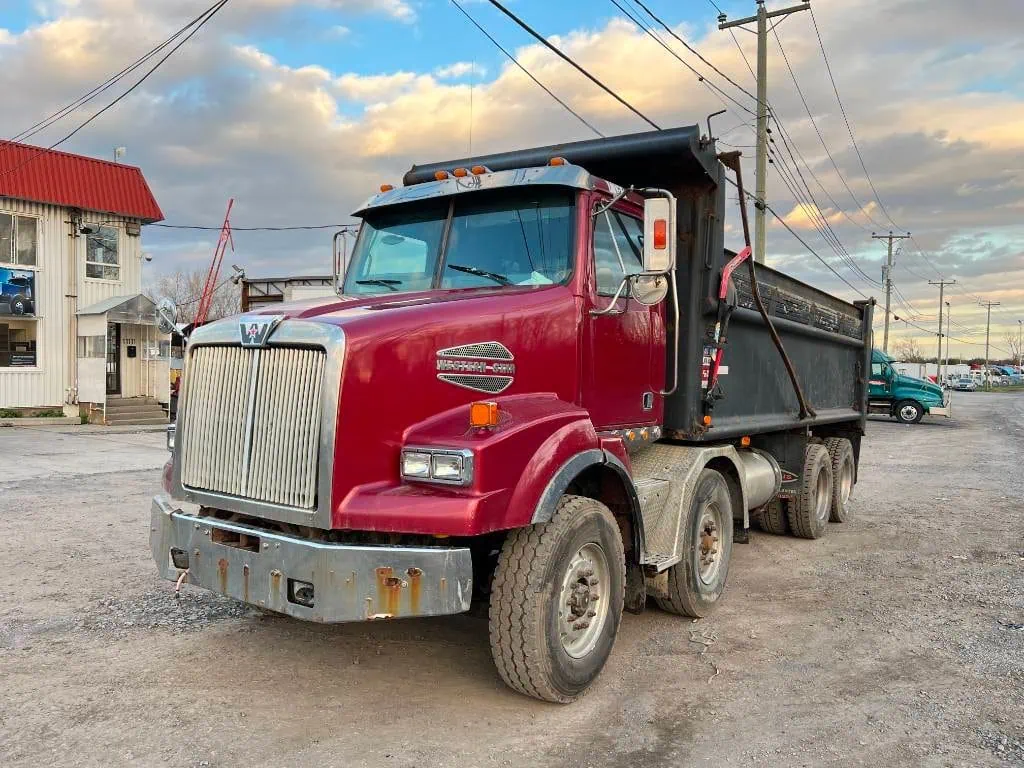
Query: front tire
column 908, row 412
column 556, row 601
column 696, row 583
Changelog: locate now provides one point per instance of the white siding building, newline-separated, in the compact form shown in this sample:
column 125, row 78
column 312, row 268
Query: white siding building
column 74, row 327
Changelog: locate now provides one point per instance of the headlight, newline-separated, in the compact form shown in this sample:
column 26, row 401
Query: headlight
column 452, row 466
column 415, row 464
column 447, row 466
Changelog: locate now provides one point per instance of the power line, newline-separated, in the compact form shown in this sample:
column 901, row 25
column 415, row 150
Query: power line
column 693, row 50
column 527, row 72
column 849, row 129
column 209, row 14
column 104, row 86
column 256, row 229
column 700, row 77
column 554, row 49
column 817, row 130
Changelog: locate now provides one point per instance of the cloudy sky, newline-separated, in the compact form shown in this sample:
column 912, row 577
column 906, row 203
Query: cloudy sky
column 300, row 108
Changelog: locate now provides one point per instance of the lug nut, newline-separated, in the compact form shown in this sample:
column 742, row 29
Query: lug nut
column 593, row 582
column 591, row 614
column 594, row 597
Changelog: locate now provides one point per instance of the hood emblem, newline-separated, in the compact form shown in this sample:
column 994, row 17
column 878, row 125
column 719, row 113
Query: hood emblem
column 254, row 331
column 485, row 366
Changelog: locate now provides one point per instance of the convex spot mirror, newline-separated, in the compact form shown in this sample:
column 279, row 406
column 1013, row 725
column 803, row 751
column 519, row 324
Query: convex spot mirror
column 659, row 235
column 649, row 290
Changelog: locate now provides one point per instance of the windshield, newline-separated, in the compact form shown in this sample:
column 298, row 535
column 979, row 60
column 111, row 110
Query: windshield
column 518, row 239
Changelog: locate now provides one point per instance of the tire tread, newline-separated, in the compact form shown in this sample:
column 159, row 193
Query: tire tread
column 517, row 600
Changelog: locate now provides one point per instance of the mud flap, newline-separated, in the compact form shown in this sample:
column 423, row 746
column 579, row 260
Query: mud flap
column 636, row 588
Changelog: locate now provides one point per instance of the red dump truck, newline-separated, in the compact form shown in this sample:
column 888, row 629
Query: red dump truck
column 545, row 386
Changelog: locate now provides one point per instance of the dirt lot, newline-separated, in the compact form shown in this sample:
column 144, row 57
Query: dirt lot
column 896, row 640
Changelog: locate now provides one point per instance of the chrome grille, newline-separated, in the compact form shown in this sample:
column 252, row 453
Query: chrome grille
column 252, row 423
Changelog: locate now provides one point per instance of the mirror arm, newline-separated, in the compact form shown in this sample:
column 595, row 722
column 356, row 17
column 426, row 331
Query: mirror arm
column 612, row 309
column 675, row 353
column 599, row 208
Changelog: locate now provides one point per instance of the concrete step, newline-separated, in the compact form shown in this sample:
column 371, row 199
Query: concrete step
column 134, row 410
column 114, row 403
column 119, row 421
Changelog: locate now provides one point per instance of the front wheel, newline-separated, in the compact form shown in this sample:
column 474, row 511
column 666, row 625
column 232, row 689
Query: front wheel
column 556, row 601
column 909, row 412
column 696, row 582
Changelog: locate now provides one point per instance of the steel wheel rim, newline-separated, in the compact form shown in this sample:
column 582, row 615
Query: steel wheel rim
column 585, row 600
column 846, row 480
column 707, row 551
column 823, row 495
column 908, row 412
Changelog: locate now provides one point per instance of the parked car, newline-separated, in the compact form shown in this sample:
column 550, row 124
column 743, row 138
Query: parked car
column 964, row 384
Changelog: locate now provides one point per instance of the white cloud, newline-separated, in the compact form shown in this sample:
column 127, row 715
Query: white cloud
column 305, row 145
column 459, row 69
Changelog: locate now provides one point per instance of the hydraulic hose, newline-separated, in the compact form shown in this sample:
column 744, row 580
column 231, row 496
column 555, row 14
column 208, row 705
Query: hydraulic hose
column 732, row 160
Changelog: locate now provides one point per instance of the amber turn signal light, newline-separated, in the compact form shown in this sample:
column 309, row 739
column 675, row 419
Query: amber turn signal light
column 557, row 161
column 483, row 415
column 660, row 234
column 386, row 187
column 745, row 441
column 707, row 421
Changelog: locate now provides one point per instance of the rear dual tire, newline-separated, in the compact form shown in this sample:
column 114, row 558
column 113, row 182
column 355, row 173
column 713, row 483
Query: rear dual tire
column 696, row 583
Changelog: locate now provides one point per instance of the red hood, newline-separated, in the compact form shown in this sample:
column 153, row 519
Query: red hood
column 390, row 378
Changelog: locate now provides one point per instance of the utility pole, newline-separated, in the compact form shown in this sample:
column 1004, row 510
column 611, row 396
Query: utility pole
column 942, row 288
column 988, row 324
column 887, row 281
column 1020, row 351
column 761, row 161
column 945, row 366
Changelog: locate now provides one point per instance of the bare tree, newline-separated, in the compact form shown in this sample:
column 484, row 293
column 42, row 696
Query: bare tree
column 185, row 288
column 1013, row 344
column 908, row 351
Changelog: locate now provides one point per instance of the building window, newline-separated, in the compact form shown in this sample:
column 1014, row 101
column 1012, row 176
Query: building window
column 18, row 344
column 102, row 260
column 19, row 239
column 92, row 346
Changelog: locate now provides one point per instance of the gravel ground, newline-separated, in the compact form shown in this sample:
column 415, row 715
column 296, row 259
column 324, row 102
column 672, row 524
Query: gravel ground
column 896, row 640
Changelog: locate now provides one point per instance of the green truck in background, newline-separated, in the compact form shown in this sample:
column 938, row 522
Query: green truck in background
column 904, row 398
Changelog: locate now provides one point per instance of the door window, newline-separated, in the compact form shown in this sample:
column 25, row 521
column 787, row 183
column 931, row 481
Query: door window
column 618, row 250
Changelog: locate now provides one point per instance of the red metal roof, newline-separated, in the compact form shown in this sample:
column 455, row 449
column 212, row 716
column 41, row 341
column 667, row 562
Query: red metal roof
column 59, row 178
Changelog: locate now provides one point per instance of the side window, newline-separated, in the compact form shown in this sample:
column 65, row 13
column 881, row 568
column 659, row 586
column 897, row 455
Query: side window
column 618, row 250
column 876, row 369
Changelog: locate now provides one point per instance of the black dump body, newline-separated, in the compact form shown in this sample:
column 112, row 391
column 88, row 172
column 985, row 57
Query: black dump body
column 828, row 340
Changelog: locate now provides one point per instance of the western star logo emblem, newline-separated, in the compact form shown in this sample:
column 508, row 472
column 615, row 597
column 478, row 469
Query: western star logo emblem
column 486, row 366
column 254, row 331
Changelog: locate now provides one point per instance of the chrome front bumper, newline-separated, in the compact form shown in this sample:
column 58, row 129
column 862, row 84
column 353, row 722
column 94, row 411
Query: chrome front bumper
column 349, row 583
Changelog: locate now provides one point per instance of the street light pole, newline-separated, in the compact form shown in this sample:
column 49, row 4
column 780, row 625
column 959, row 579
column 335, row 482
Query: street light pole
column 945, row 367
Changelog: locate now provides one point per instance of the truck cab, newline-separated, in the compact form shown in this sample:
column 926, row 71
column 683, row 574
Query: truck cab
column 526, row 394
column 902, row 397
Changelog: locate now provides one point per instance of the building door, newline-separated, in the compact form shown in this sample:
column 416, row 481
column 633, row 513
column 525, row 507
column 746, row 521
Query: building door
column 113, row 359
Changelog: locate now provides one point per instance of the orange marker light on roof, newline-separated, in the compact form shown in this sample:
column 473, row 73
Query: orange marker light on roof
column 476, row 170
column 660, row 234
column 460, row 173
column 386, row 187
column 483, row 415
column 557, row 161
column 440, row 175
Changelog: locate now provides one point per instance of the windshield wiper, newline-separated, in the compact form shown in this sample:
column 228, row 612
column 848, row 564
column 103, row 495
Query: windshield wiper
column 386, row 283
column 481, row 273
